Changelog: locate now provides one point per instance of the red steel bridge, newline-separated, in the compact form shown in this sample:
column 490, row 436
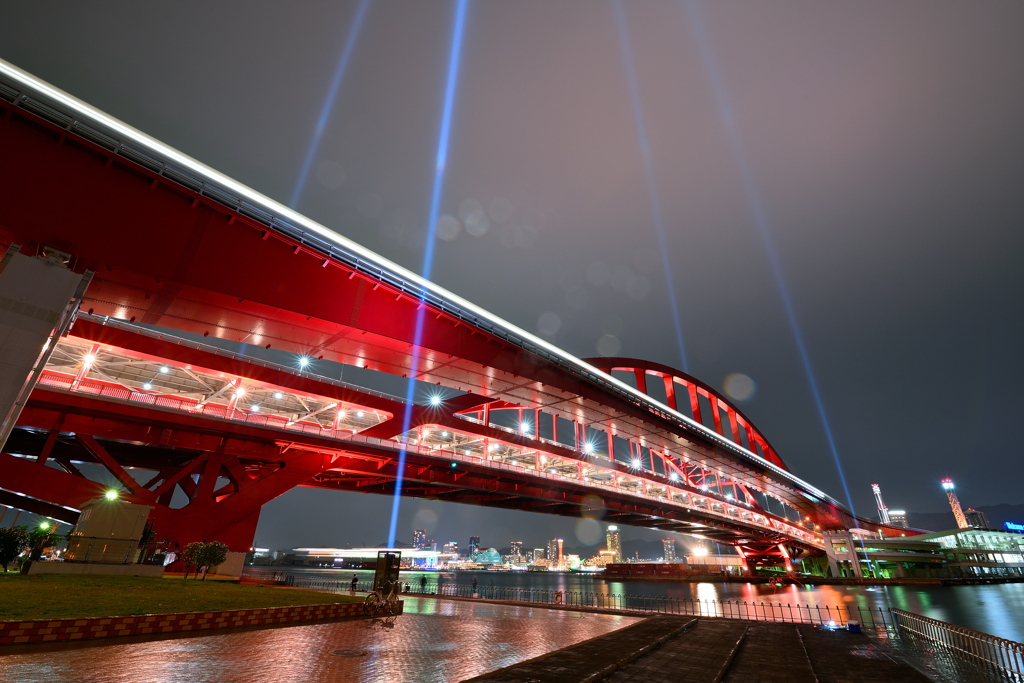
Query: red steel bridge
column 170, row 252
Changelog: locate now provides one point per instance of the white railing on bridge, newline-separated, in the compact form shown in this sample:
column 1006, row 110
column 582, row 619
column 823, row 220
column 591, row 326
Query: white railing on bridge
column 277, row 422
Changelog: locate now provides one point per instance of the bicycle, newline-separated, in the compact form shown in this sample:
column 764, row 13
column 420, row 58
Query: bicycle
column 385, row 598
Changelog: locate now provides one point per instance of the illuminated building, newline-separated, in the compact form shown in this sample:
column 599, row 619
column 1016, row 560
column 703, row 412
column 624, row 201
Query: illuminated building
column 976, row 518
column 419, row 539
column 614, row 543
column 899, row 518
column 474, row 544
column 555, row 552
column 669, row 546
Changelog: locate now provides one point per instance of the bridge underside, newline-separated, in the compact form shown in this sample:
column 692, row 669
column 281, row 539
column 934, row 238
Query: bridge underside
column 71, row 448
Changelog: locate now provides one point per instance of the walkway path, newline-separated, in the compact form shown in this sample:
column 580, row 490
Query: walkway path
column 711, row 650
column 434, row 641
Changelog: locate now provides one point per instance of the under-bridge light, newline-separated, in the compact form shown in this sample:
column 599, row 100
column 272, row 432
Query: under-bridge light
column 111, row 494
column 89, row 359
column 240, row 391
column 524, row 427
column 147, row 386
column 303, row 361
column 455, row 464
column 278, row 395
column 700, row 551
column 704, row 487
column 44, row 525
column 164, row 369
column 674, row 477
column 435, row 400
column 588, row 447
column 255, row 407
column 636, row 463
column 359, row 413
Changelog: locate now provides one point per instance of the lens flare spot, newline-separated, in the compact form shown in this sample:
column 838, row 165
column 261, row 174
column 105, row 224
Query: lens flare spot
column 549, row 323
column 598, row 273
column 739, row 386
column 593, row 508
column 500, row 210
column 608, row 345
column 425, row 519
column 448, row 228
column 588, row 532
column 331, row 174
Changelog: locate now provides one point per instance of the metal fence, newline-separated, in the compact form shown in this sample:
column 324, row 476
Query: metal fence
column 1006, row 656
column 875, row 618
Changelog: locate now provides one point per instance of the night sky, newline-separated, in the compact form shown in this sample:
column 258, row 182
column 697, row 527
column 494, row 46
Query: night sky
column 859, row 164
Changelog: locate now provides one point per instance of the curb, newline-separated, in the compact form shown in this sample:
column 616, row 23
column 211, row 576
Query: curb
column 31, row 631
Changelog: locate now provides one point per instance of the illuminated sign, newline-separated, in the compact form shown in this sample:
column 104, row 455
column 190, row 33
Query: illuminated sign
column 1013, row 526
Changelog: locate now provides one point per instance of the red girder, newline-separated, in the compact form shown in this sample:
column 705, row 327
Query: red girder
column 757, row 443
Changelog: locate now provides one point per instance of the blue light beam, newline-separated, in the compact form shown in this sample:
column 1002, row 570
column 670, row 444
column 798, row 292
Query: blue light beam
column 707, row 55
column 454, row 57
column 652, row 186
column 328, row 106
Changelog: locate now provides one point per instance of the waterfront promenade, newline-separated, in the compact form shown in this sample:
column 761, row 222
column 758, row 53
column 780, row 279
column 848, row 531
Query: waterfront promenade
column 444, row 639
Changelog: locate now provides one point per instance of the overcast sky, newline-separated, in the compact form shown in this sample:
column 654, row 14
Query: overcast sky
column 873, row 151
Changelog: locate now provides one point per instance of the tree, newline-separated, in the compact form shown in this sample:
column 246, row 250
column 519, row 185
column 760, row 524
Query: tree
column 13, row 542
column 200, row 555
column 214, row 553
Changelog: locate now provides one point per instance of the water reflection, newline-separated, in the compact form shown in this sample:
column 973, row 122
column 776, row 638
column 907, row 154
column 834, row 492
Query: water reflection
column 996, row 609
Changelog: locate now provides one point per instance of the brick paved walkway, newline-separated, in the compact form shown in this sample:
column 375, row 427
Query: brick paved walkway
column 435, row 640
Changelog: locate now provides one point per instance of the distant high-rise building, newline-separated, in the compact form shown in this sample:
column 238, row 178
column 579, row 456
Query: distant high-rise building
column 451, row 547
column 419, row 539
column 555, row 552
column 517, row 548
column 669, row 545
column 898, row 518
column 474, row 544
column 614, row 544
column 538, row 554
column 976, row 518
column 431, row 545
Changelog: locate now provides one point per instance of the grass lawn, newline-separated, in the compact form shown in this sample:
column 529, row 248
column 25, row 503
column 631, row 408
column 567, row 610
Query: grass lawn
column 61, row 597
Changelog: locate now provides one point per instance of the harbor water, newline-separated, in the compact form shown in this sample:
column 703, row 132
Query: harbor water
column 996, row 609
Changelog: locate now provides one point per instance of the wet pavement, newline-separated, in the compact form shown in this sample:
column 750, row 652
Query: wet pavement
column 435, row 640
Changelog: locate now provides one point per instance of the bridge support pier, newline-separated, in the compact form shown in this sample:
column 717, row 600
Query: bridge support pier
column 38, row 301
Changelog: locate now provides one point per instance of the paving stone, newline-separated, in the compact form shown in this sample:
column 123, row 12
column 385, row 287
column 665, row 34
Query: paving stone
column 696, row 656
column 594, row 659
column 434, row 641
column 843, row 657
column 771, row 653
